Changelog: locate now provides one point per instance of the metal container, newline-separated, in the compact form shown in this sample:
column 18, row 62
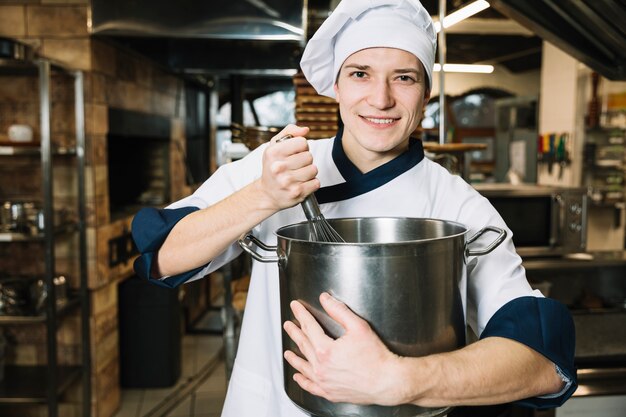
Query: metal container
column 405, row 276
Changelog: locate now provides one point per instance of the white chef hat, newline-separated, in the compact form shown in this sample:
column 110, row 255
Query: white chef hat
column 359, row 24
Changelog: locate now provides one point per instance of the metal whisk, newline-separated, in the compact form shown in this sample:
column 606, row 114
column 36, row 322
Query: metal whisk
column 319, row 228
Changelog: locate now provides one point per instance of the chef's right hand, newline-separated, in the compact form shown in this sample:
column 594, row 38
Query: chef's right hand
column 288, row 170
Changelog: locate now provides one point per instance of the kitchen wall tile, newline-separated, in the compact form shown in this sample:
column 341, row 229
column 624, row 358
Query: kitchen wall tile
column 102, row 195
column 95, row 154
column 127, row 67
column 103, row 298
column 101, row 209
column 104, row 324
column 62, row 87
column 96, row 119
column 166, row 83
column 145, row 74
column 178, row 129
column 106, row 390
column 62, row 121
column 105, row 349
column 165, row 104
column 60, row 21
column 92, row 273
column 12, row 21
column 103, row 57
column 95, row 85
column 75, row 53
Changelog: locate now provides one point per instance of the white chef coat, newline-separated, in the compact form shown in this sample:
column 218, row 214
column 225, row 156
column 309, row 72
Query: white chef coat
column 425, row 190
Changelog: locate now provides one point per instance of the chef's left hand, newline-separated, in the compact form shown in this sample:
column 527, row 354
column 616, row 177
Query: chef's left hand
column 356, row 368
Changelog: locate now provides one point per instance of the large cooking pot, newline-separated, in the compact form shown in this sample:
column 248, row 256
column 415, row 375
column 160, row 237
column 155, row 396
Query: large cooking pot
column 405, row 276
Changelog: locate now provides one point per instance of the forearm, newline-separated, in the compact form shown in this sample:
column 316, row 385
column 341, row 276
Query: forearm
column 490, row 371
column 202, row 235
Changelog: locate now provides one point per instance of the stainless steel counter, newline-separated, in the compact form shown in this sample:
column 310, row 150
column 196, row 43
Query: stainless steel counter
column 576, row 261
column 601, row 381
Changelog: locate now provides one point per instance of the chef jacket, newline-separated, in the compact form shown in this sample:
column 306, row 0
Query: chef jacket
column 497, row 298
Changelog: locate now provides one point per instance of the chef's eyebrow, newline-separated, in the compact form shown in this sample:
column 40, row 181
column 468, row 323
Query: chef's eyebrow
column 358, row 67
column 405, row 70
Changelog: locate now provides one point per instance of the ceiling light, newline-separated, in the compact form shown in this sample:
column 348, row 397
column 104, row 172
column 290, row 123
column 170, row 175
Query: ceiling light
column 462, row 14
column 480, row 69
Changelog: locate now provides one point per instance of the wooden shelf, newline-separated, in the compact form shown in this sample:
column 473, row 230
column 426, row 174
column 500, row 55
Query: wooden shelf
column 10, row 149
column 29, row 237
column 27, row 384
column 453, row 147
column 41, row 318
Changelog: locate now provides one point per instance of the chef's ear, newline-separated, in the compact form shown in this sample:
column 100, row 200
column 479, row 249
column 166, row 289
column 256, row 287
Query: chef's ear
column 336, row 90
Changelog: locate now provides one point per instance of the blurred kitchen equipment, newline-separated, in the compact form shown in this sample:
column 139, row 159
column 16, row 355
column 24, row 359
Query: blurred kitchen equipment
column 19, row 216
column 320, row 230
column 402, row 275
column 15, row 297
column 13, row 217
column 252, row 136
column 20, row 133
column 26, row 296
column 545, row 221
column 516, row 138
column 39, row 293
column 11, row 49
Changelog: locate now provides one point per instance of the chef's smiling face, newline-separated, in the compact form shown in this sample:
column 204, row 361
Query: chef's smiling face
column 381, row 92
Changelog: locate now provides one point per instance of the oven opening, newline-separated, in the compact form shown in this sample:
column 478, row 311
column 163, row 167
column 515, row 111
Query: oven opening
column 138, row 151
column 529, row 219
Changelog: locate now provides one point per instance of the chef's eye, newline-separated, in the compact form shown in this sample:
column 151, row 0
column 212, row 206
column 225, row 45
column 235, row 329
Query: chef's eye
column 406, row 78
column 358, row 74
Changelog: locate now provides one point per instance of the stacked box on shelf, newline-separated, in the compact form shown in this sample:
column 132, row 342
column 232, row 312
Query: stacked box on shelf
column 319, row 113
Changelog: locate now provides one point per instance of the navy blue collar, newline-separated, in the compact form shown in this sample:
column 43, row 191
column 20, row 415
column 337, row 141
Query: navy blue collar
column 358, row 183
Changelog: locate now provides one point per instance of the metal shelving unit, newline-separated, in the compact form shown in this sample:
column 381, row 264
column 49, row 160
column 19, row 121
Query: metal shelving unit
column 44, row 384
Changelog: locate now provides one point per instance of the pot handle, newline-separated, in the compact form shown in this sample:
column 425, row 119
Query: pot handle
column 246, row 244
column 492, row 246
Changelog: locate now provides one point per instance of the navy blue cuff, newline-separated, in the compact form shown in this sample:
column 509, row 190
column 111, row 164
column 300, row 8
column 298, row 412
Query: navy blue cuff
column 544, row 325
column 150, row 228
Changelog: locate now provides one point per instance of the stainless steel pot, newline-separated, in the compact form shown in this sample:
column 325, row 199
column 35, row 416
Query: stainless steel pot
column 402, row 275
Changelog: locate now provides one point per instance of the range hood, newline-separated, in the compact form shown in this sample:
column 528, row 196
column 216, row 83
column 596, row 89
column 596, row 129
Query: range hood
column 207, row 36
column 592, row 31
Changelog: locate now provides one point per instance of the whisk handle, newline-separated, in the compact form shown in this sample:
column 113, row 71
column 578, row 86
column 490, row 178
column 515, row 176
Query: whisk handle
column 309, row 205
column 311, row 208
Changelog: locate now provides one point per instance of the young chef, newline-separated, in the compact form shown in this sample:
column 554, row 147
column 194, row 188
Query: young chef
column 376, row 59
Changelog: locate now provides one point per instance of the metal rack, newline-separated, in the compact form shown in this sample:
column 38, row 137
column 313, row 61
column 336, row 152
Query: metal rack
column 44, row 384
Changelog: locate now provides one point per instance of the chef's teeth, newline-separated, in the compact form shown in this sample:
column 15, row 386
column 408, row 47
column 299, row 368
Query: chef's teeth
column 381, row 121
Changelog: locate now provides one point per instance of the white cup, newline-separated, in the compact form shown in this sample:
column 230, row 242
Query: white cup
column 20, row 133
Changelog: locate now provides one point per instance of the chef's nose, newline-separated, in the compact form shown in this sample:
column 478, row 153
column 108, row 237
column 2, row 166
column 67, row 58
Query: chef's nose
column 381, row 96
